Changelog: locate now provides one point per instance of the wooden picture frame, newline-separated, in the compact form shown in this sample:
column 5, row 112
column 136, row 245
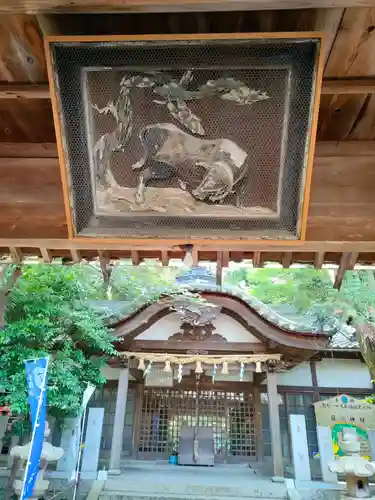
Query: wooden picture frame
column 211, row 241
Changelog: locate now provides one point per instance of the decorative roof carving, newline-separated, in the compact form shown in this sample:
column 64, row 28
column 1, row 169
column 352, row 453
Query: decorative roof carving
column 194, row 310
column 197, row 333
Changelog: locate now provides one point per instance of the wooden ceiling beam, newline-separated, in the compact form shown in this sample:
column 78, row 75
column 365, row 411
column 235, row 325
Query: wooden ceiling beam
column 161, row 6
column 356, row 86
column 59, row 244
column 24, row 90
column 343, row 86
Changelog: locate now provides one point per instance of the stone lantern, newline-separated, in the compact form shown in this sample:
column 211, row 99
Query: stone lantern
column 49, row 454
column 355, row 468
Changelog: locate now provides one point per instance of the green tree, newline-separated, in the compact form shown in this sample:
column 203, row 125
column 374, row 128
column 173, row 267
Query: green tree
column 310, row 290
column 47, row 314
column 299, row 287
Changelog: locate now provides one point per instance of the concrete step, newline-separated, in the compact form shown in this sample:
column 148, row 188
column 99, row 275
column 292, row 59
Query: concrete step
column 116, row 489
column 118, row 495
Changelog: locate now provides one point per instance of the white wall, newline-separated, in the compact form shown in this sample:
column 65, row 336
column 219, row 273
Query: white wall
column 298, row 376
column 343, row 373
column 112, row 373
column 225, row 325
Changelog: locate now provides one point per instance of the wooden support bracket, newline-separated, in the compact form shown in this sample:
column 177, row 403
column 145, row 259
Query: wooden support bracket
column 46, row 255
column 287, row 259
column 257, row 259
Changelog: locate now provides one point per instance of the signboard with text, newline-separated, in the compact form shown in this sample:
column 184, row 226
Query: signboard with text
column 345, row 411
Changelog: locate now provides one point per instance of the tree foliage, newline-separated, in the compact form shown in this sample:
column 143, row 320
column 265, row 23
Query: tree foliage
column 47, row 314
column 53, row 310
column 311, row 290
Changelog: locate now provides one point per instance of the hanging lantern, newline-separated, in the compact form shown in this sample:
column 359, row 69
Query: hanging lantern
column 258, row 367
column 141, row 364
column 198, row 367
column 167, row 367
column 225, row 370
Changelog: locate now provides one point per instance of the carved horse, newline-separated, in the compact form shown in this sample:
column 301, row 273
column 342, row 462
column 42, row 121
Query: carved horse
column 207, row 168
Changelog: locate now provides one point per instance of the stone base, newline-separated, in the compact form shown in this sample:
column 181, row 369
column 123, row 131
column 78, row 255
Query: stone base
column 114, row 472
column 347, row 497
column 40, row 488
column 278, row 479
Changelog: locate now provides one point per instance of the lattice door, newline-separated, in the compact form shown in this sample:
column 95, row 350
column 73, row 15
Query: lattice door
column 230, row 414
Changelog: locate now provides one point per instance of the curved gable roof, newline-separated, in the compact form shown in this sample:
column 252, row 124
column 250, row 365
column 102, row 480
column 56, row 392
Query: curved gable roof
column 254, row 320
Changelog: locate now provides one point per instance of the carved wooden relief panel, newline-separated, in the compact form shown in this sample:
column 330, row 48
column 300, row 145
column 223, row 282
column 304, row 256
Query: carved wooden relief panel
column 205, row 136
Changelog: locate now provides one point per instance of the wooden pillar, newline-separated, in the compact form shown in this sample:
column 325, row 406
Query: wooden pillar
column 119, row 423
column 273, row 406
column 258, row 423
column 314, row 379
column 137, row 417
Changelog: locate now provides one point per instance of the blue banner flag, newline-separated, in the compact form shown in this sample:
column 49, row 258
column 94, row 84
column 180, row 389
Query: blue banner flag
column 36, row 376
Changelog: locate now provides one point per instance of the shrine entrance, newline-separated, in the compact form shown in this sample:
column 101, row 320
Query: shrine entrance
column 230, row 414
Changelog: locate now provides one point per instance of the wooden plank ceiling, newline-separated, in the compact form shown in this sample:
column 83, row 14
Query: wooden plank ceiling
column 341, row 215
column 103, row 6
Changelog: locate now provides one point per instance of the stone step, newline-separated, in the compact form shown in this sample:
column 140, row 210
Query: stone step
column 120, row 490
column 120, row 495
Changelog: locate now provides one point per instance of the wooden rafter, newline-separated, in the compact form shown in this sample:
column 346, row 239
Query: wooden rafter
column 24, row 91
column 136, row 259
column 346, row 254
column 104, row 260
column 287, row 259
column 164, row 257
column 46, row 255
column 195, row 256
column 356, row 86
column 248, row 250
column 16, row 254
column 347, row 262
column 257, row 259
column 76, row 255
column 138, row 6
column 219, row 269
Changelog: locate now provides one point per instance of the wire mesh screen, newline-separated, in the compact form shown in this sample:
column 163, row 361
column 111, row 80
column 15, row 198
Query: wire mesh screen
column 205, row 137
column 230, row 414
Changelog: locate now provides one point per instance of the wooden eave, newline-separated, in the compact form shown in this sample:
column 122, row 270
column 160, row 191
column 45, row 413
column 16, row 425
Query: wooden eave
column 340, row 222
column 166, row 6
column 272, row 336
